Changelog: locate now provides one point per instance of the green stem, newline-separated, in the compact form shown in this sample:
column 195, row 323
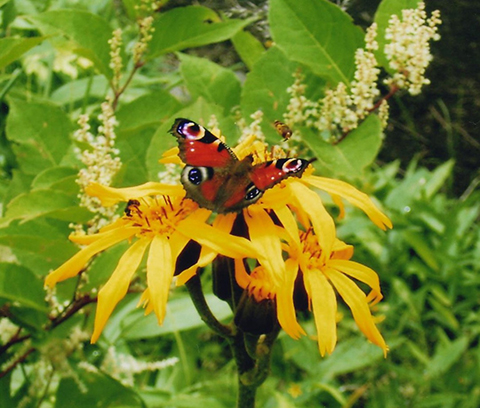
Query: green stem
column 195, row 290
column 245, row 366
column 252, row 354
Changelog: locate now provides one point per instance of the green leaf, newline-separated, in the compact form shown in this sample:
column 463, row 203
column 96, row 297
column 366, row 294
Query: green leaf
column 80, row 89
column 385, row 10
column 40, row 245
column 20, row 183
column 88, row 32
column 267, row 92
column 217, row 85
column 349, row 157
column 57, row 178
column 188, row 27
column 150, row 109
column 13, row 48
column 350, row 355
column 438, row 178
column 132, row 324
column 446, row 356
column 318, row 34
column 248, row 47
column 6, row 400
column 45, row 202
column 19, row 284
column 416, row 239
column 96, row 390
column 40, row 132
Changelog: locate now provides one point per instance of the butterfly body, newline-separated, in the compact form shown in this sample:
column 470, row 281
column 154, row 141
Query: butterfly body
column 216, row 179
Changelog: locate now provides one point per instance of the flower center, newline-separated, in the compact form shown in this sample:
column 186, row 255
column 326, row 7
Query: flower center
column 158, row 215
column 311, row 250
column 261, row 286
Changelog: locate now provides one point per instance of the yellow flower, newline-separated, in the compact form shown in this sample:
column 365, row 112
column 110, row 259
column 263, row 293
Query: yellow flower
column 293, row 264
column 322, row 278
column 164, row 224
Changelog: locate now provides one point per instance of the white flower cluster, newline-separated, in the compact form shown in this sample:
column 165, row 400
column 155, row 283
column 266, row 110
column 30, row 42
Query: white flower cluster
column 145, row 21
column 101, row 161
column 253, row 129
column 7, row 330
column 343, row 107
column 145, row 34
column 300, row 109
column 53, row 364
column 123, row 367
column 116, row 62
column 408, row 47
column 170, row 175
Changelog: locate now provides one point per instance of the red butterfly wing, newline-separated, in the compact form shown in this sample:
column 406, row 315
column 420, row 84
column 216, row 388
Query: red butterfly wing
column 199, row 147
column 266, row 175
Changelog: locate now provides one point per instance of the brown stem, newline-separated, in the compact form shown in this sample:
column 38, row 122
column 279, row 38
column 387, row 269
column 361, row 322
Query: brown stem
column 119, row 92
column 19, row 360
column 72, row 309
column 393, row 90
column 16, row 338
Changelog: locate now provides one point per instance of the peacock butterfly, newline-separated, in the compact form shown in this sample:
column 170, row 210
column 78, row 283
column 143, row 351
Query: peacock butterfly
column 216, row 179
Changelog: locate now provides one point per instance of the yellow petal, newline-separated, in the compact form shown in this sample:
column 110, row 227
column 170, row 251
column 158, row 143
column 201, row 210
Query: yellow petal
column 90, row 239
column 145, row 302
column 144, row 298
column 206, row 257
column 275, row 197
column 116, row 287
column 324, row 307
column 246, row 147
column 110, row 196
column 224, row 222
column 360, row 272
column 263, row 235
column 78, row 261
column 358, row 304
column 178, row 241
column 321, row 220
column 353, row 196
column 289, row 223
column 341, row 250
column 241, row 275
column 339, row 203
column 285, row 306
column 160, row 269
column 171, row 156
column 219, row 241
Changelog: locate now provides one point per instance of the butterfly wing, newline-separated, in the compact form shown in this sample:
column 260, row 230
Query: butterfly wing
column 215, row 178
column 266, row 175
column 208, row 163
column 258, row 178
column 199, row 147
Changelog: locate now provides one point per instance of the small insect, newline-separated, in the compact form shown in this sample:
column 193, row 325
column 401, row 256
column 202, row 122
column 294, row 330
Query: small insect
column 283, row 129
column 132, row 206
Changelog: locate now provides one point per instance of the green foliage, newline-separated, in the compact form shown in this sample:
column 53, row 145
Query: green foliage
column 298, row 31
column 346, row 159
column 428, row 265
